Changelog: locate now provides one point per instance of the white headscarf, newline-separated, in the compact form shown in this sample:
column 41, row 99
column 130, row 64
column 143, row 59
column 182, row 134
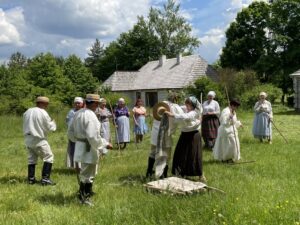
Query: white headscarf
column 263, row 94
column 211, row 93
column 78, row 99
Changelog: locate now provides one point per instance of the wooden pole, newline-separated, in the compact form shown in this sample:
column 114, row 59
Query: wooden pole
column 114, row 121
column 233, row 127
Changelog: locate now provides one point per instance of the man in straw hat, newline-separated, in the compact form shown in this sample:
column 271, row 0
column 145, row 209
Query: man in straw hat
column 163, row 129
column 36, row 125
column 78, row 104
column 85, row 132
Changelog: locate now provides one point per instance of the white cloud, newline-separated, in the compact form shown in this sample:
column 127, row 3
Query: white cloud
column 83, row 18
column 211, row 43
column 9, row 33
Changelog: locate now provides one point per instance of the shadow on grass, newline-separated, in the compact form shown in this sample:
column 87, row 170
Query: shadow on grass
column 13, row 180
column 288, row 113
column 210, row 161
column 132, row 180
column 58, row 199
column 64, row 171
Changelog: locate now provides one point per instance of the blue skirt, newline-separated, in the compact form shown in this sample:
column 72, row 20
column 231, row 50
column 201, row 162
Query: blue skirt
column 141, row 127
column 262, row 126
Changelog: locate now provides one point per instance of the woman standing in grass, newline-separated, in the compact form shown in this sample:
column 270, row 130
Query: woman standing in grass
column 262, row 128
column 187, row 160
column 122, row 123
column 227, row 146
column 139, row 115
column 103, row 115
column 210, row 120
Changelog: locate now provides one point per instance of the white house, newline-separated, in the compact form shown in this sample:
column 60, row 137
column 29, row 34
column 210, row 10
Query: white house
column 296, row 83
column 152, row 82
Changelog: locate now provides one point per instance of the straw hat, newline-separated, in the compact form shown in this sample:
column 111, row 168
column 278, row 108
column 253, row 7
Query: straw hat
column 92, row 98
column 42, row 99
column 159, row 109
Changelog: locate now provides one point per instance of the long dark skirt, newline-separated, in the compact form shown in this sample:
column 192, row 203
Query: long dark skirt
column 187, row 160
column 70, row 154
column 209, row 129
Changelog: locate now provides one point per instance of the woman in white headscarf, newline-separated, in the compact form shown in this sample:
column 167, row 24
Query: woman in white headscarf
column 187, row 160
column 210, row 120
column 122, row 123
column 103, row 115
column 262, row 128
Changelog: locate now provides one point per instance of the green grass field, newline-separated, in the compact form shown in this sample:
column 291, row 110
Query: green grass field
column 264, row 192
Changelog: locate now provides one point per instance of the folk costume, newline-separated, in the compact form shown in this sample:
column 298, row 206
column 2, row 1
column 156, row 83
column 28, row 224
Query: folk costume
column 36, row 125
column 227, row 146
column 103, row 115
column 210, row 120
column 71, row 145
column 262, row 127
column 162, row 132
column 187, row 160
column 85, row 132
column 122, row 122
column 140, row 127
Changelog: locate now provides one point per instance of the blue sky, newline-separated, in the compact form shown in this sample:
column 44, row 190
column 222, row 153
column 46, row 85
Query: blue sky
column 66, row 27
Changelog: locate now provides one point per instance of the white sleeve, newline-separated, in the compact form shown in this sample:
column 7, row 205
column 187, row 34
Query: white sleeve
column 93, row 134
column 50, row 125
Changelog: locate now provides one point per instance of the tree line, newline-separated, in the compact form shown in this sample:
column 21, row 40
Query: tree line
column 264, row 39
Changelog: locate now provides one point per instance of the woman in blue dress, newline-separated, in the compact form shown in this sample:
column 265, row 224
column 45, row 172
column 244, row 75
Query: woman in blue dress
column 262, row 127
column 122, row 123
column 139, row 115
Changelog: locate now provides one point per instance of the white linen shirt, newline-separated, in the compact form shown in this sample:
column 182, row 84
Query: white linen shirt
column 212, row 107
column 86, row 126
column 36, row 124
column 189, row 121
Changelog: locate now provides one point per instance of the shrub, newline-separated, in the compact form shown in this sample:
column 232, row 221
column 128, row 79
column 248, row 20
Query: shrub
column 250, row 97
column 204, row 85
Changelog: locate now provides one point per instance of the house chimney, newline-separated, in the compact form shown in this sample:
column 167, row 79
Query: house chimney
column 179, row 58
column 162, row 60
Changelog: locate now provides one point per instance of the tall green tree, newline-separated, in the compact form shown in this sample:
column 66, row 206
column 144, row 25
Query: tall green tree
column 47, row 77
column 93, row 61
column 265, row 38
column 172, row 30
column 162, row 32
column 81, row 78
column 285, row 41
column 247, row 39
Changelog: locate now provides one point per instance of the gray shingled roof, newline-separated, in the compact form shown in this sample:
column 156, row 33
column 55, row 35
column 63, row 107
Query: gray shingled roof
column 169, row 76
column 297, row 73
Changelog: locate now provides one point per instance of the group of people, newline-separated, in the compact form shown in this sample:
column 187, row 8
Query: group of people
column 89, row 135
column 219, row 131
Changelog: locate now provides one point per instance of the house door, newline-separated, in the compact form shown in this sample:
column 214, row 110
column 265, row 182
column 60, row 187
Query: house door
column 151, row 98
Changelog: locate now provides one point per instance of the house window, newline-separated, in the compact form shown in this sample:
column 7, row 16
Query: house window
column 151, row 98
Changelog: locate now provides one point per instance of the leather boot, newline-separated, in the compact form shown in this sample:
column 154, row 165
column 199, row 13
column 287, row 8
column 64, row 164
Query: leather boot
column 89, row 189
column 47, row 167
column 84, row 193
column 151, row 162
column 31, row 174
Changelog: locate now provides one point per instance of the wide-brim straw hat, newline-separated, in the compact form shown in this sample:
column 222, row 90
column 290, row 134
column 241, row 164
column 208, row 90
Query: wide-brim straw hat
column 92, row 98
column 159, row 109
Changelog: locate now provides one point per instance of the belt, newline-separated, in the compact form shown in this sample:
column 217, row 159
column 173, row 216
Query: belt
column 84, row 140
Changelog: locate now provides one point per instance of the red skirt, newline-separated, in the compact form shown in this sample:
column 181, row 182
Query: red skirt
column 209, row 127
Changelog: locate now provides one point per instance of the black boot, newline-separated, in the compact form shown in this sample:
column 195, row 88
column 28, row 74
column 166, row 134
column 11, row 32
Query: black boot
column 165, row 173
column 89, row 189
column 47, row 167
column 151, row 162
column 31, row 174
column 84, row 193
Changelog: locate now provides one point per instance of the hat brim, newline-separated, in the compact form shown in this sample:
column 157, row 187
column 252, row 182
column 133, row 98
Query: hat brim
column 157, row 106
